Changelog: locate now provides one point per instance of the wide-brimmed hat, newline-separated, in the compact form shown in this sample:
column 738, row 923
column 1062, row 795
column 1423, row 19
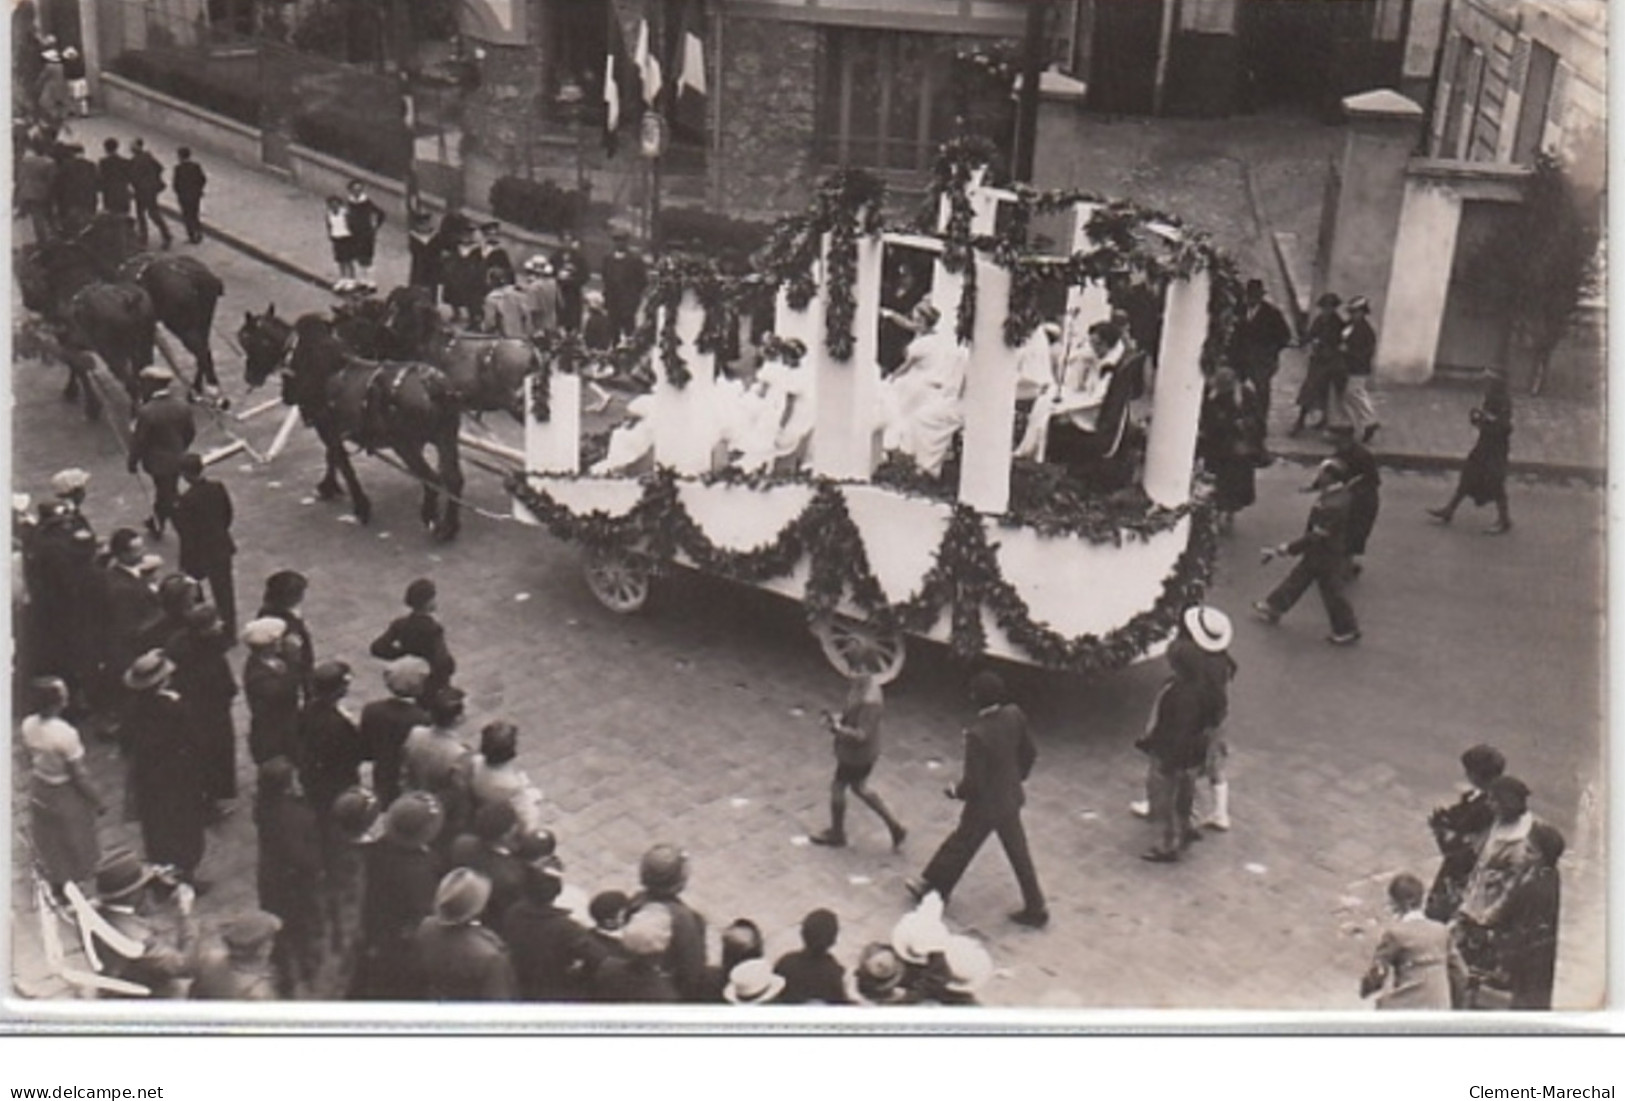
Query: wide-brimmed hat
column 157, row 372
column 406, row 676
column 250, row 932
column 264, row 631
column 415, row 819
column 969, row 965
column 1331, row 472
column 879, row 972
column 921, row 932
column 752, row 982
column 71, row 480
column 461, row 896
column 121, row 874
column 1360, row 303
column 148, row 671
column 1209, row 627
column 539, row 265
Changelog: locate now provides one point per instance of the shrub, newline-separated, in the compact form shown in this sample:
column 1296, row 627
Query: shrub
column 190, row 86
column 715, row 235
column 379, row 149
column 538, row 205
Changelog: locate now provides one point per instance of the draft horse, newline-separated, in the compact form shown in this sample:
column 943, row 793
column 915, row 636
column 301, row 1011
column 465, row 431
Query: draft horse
column 405, row 407
column 487, row 371
column 64, row 282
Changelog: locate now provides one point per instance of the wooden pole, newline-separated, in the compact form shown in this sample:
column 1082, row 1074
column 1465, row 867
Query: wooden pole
column 1032, row 69
column 282, row 435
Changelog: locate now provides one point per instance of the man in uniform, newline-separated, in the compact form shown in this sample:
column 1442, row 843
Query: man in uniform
column 999, row 756
column 203, row 516
column 625, row 277
column 1323, row 559
column 113, row 179
column 164, row 430
column 146, row 953
column 147, row 183
column 462, row 960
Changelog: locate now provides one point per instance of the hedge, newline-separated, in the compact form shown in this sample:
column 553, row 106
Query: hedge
column 189, row 86
column 541, row 206
column 380, row 149
column 716, row 235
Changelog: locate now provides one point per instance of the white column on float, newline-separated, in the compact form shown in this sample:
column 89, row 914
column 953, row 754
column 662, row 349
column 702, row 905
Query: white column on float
column 990, row 396
column 806, row 326
column 553, row 446
column 685, row 420
column 847, row 394
column 1087, row 304
column 1176, row 408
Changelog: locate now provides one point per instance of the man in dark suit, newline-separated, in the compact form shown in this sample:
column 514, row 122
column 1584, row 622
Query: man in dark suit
column 999, row 755
column 1260, row 334
column 419, row 634
column 190, row 180
column 1323, row 559
column 77, row 185
column 113, row 179
column 164, row 429
column 203, row 516
column 147, row 183
column 129, row 608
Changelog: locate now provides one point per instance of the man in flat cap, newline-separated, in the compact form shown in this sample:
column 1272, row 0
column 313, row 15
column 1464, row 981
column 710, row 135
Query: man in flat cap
column 663, row 872
column 164, row 430
column 271, row 685
column 386, row 723
column 400, row 888
column 461, row 959
column 239, row 969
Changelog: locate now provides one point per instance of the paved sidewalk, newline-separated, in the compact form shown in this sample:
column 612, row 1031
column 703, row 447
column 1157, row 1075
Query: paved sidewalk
column 1231, row 175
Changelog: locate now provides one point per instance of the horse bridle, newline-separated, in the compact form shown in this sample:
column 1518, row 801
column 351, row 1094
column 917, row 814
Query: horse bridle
column 282, row 364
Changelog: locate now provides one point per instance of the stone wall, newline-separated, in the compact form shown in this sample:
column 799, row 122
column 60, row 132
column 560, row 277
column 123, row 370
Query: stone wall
column 768, row 86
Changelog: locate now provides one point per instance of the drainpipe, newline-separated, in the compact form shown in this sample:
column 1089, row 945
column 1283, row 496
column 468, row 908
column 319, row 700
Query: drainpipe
column 1164, row 47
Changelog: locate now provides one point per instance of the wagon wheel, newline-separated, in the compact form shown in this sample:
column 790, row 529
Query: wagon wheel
column 855, row 647
column 619, row 579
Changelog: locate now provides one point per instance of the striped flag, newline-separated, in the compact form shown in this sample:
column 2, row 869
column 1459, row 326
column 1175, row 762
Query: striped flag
column 689, row 110
column 645, row 58
column 617, row 82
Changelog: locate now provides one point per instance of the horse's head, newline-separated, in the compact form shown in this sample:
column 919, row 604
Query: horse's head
column 411, row 316
column 267, row 342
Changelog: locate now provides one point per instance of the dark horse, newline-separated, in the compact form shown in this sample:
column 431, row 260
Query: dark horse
column 184, row 293
column 405, row 407
column 66, row 282
column 487, row 371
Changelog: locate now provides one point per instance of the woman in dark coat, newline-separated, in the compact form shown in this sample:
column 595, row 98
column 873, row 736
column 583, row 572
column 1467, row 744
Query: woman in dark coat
column 1230, row 441
column 166, row 771
column 1528, row 941
column 1484, row 475
column 204, row 681
column 1458, row 829
column 1325, row 340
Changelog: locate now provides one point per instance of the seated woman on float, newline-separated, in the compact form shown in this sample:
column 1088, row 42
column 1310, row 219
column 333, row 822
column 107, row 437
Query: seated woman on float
column 1067, row 414
column 921, row 403
column 769, row 418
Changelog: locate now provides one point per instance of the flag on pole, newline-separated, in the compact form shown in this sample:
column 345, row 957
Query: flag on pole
column 617, row 82
column 647, row 61
column 502, row 22
column 689, row 110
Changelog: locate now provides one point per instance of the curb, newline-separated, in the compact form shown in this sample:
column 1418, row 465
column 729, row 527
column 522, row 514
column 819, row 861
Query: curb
column 1435, row 464
column 264, row 256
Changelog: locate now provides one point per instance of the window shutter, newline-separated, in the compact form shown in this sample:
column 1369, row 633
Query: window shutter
column 1520, row 64
column 1553, row 138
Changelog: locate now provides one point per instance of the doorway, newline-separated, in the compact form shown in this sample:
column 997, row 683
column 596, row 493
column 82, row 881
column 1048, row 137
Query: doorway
column 1124, row 45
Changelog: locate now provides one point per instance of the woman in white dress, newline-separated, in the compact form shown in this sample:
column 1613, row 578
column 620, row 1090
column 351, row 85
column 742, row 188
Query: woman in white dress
column 1066, row 415
column 921, row 403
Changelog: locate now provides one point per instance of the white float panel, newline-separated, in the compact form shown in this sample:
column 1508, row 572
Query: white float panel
column 742, row 519
column 612, row 496
column 1078, row 587
column 900, row 534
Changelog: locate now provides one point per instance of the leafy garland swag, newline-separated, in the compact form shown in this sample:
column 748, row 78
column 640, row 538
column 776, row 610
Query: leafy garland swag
column 964, row 577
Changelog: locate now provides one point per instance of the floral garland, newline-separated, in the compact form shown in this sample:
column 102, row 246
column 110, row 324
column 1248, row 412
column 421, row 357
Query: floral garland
column 675, row 276
column 789, row 352
column 964, row 577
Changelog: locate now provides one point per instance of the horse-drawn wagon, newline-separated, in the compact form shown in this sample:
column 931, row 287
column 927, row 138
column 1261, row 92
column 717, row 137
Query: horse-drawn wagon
column 996, row 555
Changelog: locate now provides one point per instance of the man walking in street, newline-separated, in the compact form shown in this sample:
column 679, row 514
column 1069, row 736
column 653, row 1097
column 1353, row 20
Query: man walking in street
column 1365, row 491
column 77, row 185
column 113, row 179
column 147, row 182
column 1260, row 334
column 36, row 186
column 999, row 756
column 203, row 516
column 164, row 430
column 625, row 277
column 1323, row 559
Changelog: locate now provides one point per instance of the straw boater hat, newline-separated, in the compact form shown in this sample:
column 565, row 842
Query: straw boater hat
column 148, row 671
column 752, row 982
column 264, row 631
column 921, row 932
column 878, row 974
column 1209, row 627
column 71, row 480
column 1359, row 304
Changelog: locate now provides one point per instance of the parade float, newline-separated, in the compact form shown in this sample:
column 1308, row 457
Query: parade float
column 998, row 556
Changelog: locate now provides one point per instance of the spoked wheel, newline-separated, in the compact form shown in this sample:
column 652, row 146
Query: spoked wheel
column 855, row 648
column 619, row 579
